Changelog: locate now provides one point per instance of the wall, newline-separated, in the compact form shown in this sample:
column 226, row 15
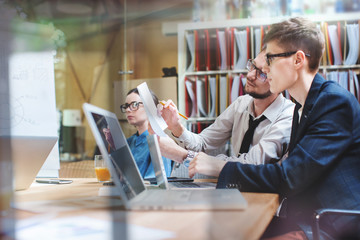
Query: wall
column 88, row 66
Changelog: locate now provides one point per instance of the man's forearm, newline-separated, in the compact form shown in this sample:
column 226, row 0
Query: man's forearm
column 177, row 130
column 171, row 150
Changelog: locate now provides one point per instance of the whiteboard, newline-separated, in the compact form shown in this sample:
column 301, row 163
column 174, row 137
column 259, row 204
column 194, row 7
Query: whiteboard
column 32, row 100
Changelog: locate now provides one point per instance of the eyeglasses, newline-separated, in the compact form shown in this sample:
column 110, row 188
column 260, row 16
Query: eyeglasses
column 270, row 57
column 133, row 106
column 250, row 66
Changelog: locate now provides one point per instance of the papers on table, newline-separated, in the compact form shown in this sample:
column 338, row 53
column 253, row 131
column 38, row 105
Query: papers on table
column 86, row 228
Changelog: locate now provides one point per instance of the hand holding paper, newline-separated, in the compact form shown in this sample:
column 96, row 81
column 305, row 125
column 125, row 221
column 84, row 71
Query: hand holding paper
column 157, row 122
column 171, row 116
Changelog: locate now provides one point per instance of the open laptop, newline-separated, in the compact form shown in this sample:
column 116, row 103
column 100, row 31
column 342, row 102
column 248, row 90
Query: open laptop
column 129, row 183
column 28, row 154
column 159, row 169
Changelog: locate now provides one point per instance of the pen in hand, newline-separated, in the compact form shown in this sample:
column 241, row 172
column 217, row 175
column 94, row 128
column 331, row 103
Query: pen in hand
column 162, row 103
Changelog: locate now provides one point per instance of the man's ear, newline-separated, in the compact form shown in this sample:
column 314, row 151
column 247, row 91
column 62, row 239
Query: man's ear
column 299, row 59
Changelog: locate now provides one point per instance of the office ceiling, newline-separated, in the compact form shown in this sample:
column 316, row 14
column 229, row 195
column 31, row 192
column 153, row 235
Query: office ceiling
column 60, row 11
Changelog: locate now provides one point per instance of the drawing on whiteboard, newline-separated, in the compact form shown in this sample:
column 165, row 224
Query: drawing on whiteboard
column 16, row 110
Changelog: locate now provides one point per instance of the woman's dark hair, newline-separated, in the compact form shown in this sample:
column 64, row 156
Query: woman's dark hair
column 135, row 90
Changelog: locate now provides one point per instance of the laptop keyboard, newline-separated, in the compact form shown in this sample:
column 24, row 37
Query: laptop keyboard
column 185, row 184
column 193, row 185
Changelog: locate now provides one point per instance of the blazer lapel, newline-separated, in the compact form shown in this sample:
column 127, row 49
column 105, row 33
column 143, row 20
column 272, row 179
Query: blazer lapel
column 298, row 130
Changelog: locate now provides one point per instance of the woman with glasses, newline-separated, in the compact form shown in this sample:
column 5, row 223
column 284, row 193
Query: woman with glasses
column 136, row 116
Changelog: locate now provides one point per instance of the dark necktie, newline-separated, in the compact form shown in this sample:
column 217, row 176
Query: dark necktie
column 295, row 124
column 250, row 133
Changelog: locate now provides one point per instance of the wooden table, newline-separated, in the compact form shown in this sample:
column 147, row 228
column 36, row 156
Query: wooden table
column 245, row 224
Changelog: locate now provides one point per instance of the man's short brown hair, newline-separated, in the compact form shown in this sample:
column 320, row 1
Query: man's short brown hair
column 299, row 34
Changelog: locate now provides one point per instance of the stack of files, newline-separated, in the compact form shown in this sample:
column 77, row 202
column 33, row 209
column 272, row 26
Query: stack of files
column 236, row 87
column 259, row 35
column 334, row 41
column 200, row 50
column 222, row 50
column 353, row 40
column 190, row 97
column 328, row 50
column 190, row 62
column 241, row 51
column 211, row 50
column 223, row 93
column 341, row 44
column 198, row 126
column 353, row 78
column 346, row 79
column 213, row 97
column 202, row 95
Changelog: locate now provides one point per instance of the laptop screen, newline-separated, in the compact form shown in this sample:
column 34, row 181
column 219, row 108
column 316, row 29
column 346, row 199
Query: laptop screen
column 113, row 146
column 157, row 161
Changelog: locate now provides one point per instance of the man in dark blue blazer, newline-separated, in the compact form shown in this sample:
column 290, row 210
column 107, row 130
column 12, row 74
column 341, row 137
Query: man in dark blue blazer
column 322, row 169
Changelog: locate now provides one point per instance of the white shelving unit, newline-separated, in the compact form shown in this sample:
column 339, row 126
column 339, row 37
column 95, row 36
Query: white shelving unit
column 183, row 28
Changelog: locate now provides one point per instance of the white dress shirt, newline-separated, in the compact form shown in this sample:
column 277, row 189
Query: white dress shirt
column 270, row 140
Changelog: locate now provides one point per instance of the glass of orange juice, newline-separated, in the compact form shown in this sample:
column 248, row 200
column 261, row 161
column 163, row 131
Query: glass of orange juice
column 101, row 169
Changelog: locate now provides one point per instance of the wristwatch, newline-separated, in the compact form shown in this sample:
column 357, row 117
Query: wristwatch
column 189, row 157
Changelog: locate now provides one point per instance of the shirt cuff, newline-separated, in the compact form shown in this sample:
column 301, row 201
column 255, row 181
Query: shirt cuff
column 184, row 137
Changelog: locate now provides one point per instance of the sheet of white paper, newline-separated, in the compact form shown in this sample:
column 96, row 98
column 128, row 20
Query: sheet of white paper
column 223, row 93
column 191, row 93
column 67, row 205
column 333, row 76
column 235, row 88
column 241, row 41
column 222, row 44
column 191, row 44
column 157, row 123
column 87, row 228
column 257, row 41
column 343, row 80
column 201, row 101
column 353, row 38
column 356, row 81
column 212, row 83
column 351, row 82
column 335, row 45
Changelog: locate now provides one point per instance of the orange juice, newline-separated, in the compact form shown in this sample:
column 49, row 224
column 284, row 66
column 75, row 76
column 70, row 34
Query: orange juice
column 102, row 174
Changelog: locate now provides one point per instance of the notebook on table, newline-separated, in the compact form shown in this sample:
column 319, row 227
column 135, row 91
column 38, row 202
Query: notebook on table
column 159, row 169
column 130, row 185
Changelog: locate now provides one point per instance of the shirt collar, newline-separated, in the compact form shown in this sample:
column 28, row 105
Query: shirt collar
column 141, row 138
column 272, row 111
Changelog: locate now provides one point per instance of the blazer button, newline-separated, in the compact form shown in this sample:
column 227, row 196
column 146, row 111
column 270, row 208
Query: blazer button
column 231, row 185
